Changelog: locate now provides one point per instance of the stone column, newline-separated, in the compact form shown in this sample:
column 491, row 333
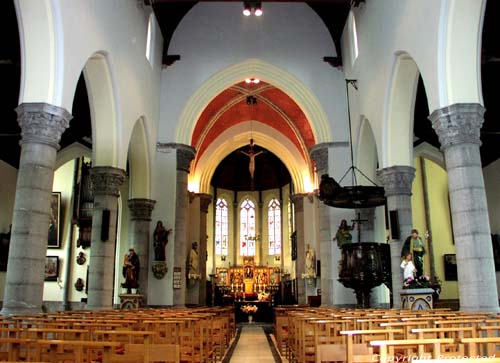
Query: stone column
column 458, row 127
column 397, row 181
column 300, row 263
column 185, row 154
column 319, row 154
column 205, row 200
column 41, row 128
column 106, row 182
column 139, row 237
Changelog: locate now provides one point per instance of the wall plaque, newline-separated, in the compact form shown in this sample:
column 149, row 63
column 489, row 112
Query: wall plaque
column 177, row 277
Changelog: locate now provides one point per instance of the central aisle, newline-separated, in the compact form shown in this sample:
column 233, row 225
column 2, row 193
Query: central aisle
column 252, row 346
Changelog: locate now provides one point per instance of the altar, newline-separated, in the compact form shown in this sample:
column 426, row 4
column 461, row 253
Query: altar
column 248, row 282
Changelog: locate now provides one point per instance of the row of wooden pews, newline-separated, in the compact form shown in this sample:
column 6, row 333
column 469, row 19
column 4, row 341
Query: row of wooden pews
column 195, row 335
column 320, row 335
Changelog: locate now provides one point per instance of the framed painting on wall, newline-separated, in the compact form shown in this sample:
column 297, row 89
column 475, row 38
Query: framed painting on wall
column 51, row 268
column 54, row 240
column 450, row 267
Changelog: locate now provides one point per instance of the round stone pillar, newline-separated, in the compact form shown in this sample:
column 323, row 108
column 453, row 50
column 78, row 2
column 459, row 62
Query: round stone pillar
column 196, row 292
column 139, row 237
column 319, row 153
column 41, row 128
column 300, row 263
column 397, row 181
column 458, row 128
column 106, row 181
column 185, row 154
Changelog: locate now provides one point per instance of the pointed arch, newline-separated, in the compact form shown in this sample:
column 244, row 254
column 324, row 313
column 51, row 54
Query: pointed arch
column 300, row 170
column 367, row 154
column 102, row 102
column 397, row 138
column 139, row 161
column 254, row 68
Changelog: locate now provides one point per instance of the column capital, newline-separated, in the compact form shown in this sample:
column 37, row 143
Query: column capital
column 397, row 180
column 459, row 123
column 42, row 123
column 185, row 153
column 141, row 209
column 106, row 180
column 205, row 200
column 298, row 200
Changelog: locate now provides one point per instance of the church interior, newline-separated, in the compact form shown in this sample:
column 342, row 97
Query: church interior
column 203, row 155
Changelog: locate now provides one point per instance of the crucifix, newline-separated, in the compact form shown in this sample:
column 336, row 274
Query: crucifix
column 359, row 222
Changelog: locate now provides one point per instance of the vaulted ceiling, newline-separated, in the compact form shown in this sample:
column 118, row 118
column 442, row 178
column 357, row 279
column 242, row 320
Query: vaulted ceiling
column 273, row 107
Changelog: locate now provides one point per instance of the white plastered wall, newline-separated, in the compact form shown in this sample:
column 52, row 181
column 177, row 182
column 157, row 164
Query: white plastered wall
column 440, row 37
column 60, row 38
column 288, row 38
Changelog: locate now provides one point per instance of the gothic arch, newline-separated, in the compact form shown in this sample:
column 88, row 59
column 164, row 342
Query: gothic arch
column 239, row 135
column 40, row 31
column 102, row 101
column 72, row 152
column 139, row 162
column 459, row 67
column 367, row 154
column 267, row 72
column 397, row 137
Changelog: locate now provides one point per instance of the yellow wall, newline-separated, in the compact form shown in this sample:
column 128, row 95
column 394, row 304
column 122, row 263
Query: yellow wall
column 7, row 195
column 439, row 224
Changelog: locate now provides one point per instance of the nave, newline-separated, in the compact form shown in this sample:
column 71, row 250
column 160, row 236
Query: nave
column 299, row 334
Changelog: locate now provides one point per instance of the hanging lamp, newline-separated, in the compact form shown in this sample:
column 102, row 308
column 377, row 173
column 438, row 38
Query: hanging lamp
column 355, row 196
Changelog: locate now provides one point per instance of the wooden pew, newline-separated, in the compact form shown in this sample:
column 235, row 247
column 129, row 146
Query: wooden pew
column 387, row 351
column 75, row 351
column 146, row 353
column 359, row 350
column 458, row 360
column 15, row 348
column 482, row 346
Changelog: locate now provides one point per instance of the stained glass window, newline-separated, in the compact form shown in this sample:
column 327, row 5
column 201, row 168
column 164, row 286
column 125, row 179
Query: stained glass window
column 274, row 227
column 221, row 227
column 248, row 236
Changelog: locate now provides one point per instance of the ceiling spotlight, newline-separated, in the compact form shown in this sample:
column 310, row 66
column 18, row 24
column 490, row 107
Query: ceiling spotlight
column 249, row 6
column 252, row 80
column 247, row 11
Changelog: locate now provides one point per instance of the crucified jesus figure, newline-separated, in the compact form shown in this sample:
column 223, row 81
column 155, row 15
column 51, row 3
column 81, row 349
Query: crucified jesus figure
column 251, row 154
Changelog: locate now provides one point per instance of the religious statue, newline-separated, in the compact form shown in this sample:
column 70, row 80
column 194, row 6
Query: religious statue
column 415, row 246
column 251, row 155
column 193, row 260
column 160, row 236
column 310, row 261
column 130, row 271
column 343, row 235
column 408, row 267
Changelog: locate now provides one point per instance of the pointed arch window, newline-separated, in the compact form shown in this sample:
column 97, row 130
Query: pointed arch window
column 274, row 226
column 150, row 40
column 221, row 227
column 248, row 236
column 354, row 37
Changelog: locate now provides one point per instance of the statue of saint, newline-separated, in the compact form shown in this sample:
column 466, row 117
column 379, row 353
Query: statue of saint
column 160, row 236
column 343, row 235
column 415, row 246
column 130, row 270
column 193, row 259
column 310, row 261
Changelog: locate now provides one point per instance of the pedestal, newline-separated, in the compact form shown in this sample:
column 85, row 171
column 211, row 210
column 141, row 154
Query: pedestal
column 417, row 299
column 130, row 301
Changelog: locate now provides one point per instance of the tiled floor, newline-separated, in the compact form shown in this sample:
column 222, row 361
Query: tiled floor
column 252, row 346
